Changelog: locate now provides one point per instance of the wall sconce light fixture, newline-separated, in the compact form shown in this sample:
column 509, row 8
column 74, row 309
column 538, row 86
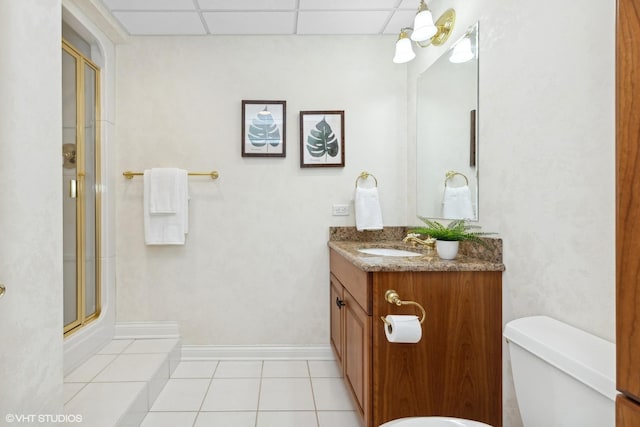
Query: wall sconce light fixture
column 424, row 32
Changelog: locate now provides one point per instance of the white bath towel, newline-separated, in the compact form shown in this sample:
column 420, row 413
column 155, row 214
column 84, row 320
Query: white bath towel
column 163, row 190
column 168, row 228
column 456, row 203
column 368, row 211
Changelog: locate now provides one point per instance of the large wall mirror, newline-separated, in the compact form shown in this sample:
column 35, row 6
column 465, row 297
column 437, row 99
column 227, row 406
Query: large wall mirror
column 447, row 136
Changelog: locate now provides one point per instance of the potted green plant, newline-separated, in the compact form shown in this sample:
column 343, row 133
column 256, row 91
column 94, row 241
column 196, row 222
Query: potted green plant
column 449, row 237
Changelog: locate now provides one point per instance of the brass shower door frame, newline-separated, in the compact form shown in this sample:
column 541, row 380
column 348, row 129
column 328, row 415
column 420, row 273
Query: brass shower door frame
column 81, row 61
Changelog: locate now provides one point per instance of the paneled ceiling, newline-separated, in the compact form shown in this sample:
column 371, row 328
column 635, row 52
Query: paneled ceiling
column 241, row 17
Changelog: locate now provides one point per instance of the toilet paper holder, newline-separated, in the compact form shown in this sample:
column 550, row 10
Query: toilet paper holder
column 392, row 297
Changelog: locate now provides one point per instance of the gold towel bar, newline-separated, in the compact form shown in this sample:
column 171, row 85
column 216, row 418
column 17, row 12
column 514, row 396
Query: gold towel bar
column 451, row 174
column 212, row 174
column 365, row 175
column 392, row 297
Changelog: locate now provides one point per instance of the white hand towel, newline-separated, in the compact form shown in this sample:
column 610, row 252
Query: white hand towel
column 170, row 228
column 163, row 191
column 456, row 203
column 368, row 211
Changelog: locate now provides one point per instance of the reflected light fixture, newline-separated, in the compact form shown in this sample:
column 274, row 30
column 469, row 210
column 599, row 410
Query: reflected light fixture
column 462, row 51
column 424, row 32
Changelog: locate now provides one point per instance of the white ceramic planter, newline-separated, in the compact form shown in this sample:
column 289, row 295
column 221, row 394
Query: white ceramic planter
column 446, row 249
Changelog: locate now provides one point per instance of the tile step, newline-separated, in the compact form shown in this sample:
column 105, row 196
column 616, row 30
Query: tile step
column 118, row 385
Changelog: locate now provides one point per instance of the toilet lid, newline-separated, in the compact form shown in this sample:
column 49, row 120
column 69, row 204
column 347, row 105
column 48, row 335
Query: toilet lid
column 433, row 422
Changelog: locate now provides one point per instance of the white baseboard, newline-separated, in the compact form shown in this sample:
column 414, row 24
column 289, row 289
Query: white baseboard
column 257, row 352
column 143, row 330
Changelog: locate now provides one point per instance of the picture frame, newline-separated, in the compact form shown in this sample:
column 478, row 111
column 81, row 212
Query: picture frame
column 264, row 128
column 322, row 139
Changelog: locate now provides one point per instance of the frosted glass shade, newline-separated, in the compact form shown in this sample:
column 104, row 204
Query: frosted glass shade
column 462, row 52
column 404, row 51
column 423, row 27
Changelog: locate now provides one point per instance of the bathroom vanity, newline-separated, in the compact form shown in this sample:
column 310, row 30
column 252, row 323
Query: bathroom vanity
column 454, row 370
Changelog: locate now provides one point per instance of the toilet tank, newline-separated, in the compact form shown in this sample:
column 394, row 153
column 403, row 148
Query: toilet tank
column 563, row 376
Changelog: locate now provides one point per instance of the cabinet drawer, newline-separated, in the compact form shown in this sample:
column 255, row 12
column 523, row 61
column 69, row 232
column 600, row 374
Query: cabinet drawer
column 354, row 280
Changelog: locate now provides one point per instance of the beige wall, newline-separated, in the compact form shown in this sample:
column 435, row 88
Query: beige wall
column 546, row 156
column 30, row 208
column 255, row 266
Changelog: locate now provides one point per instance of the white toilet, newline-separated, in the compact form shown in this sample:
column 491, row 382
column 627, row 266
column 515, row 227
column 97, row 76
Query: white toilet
column 563, row 376
column 433, row 422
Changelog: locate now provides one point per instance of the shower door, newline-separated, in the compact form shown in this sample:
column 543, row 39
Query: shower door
column 80, row 180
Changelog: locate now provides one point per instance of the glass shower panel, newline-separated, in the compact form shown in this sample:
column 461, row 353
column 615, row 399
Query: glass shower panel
column 90, row 132
column 69, row 179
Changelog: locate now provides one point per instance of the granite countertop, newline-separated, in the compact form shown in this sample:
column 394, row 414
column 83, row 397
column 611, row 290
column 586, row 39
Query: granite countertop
column 470, row 257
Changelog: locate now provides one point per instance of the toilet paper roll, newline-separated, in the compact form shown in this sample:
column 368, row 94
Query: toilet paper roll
column 403, row 329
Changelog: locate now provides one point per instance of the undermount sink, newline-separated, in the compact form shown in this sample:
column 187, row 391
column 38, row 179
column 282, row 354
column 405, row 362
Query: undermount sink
column 388, row 252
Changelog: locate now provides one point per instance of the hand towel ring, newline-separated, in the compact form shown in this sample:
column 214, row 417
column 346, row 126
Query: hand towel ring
column 451, row 174
column 365, row 175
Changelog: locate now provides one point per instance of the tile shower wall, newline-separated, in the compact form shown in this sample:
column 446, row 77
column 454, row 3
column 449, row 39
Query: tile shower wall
column 254, row 269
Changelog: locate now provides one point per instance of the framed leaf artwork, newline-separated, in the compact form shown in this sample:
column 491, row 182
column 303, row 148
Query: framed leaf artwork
column 321, row 139
column 264, row 128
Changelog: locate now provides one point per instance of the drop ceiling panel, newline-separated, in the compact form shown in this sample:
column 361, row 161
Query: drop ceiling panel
column 149, row 4
column 250, row 23
column 410, row 4
column 157, row 23
column 347, row 4
column 400, row 19
column 346, row 22
column 262, row 5
column 185, row 17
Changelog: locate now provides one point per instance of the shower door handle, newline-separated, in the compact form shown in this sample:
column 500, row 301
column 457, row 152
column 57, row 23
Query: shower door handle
column 73, row 188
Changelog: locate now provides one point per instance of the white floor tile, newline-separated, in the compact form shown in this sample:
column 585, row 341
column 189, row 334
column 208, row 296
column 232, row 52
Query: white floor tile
column 169, row 419
column 89, row 369
column 226, row 419
column 286, row 394
column 237, row 394
column 71, row 389
column 338, row 419
column 115, row 347
column 181, row 395
column 285, row 369
column 238, row 369
column 287, row 419
column 103, row 404
column 133, row 367
column 204, row 369
column 151, row 346
column 331, row 394
column 324, row 369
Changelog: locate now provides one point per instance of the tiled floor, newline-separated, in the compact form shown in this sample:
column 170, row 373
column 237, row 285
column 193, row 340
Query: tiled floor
column 288, row 393
column 122, row 384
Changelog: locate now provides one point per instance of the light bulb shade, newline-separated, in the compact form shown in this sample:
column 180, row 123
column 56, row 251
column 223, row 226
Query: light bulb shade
column 404, row 51
column 423, row 27
column 462, row 52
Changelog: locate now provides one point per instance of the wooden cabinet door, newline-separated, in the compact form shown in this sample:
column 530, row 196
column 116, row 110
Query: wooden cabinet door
column 456, row 368
column 628, row 203
column 627, row 412
column 337, row 318
column 357, row 355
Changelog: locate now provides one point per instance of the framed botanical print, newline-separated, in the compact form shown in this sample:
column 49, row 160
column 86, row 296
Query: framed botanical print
column 321, row 139
column 264, row 128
